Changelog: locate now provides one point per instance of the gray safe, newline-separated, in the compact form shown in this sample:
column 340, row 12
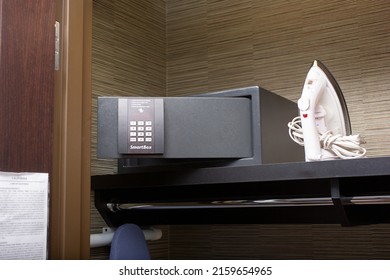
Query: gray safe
column 234, row 127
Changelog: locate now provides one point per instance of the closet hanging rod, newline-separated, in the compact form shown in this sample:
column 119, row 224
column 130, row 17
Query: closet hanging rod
column 285, row 202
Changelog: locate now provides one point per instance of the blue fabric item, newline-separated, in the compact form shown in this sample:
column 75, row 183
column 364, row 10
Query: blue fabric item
column 129, row 243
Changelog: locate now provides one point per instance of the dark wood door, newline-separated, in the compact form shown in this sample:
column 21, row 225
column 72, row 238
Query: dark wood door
column 26, row 85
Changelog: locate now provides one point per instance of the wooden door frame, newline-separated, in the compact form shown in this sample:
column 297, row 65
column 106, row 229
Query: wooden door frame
column 70, row 190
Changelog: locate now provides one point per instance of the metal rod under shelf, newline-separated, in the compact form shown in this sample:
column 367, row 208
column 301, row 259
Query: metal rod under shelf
column 285, row 202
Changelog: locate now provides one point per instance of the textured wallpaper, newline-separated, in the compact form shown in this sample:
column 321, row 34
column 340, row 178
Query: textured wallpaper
column 181, row 47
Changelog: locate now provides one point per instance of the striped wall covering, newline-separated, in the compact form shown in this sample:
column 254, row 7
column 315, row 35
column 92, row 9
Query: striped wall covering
column 279, row 242
column 213, row 45
column 181, row 47
column 128, row 59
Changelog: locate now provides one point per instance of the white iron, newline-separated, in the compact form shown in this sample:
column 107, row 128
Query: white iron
column 324, row 125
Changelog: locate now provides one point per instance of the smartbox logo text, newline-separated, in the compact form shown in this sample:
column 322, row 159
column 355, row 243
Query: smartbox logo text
column 140, row 147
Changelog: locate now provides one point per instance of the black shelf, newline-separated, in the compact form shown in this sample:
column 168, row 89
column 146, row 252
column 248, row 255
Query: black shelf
column 351, row 192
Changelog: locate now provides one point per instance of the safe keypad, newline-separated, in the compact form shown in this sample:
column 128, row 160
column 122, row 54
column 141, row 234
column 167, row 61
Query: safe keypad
column 141, row 131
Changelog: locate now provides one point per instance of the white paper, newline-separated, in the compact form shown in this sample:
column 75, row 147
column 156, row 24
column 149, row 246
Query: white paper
column 23, row 216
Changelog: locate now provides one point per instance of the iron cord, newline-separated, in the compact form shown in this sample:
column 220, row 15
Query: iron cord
column 341, row 146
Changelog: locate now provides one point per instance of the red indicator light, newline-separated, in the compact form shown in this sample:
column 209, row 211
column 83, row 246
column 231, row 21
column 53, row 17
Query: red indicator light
column 305, row 116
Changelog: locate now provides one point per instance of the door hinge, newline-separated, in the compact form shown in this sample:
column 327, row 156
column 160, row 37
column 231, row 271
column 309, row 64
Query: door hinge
column 57, row 47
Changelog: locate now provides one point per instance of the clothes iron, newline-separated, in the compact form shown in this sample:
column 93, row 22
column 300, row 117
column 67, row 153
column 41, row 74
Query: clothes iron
column 324, row 127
